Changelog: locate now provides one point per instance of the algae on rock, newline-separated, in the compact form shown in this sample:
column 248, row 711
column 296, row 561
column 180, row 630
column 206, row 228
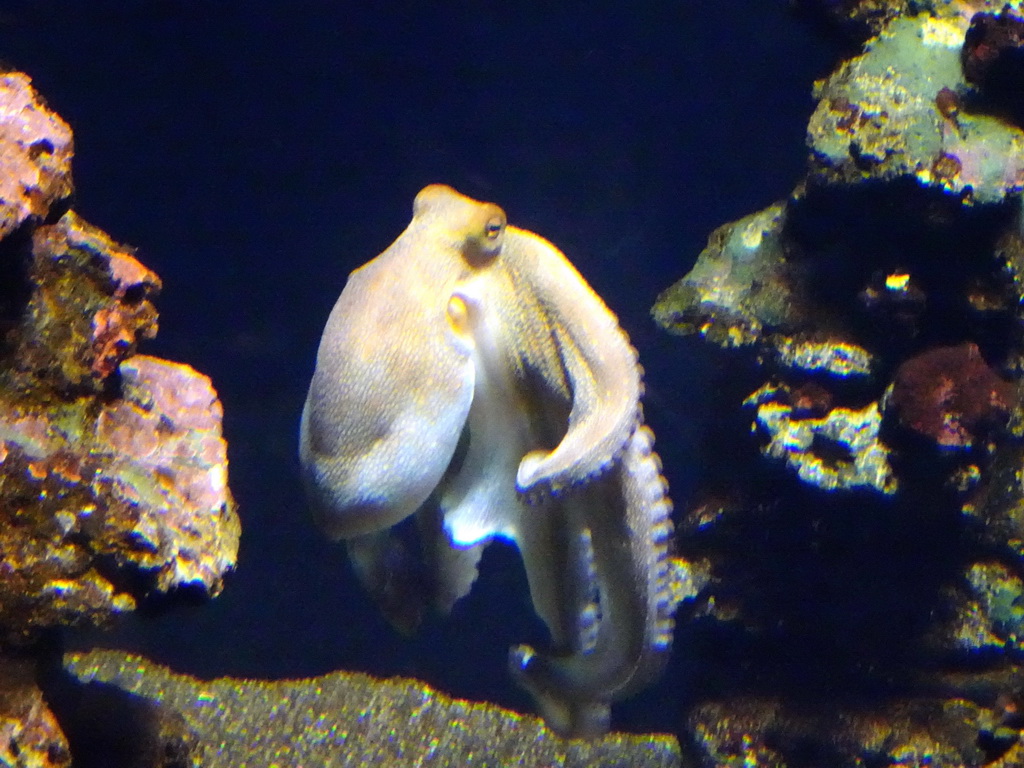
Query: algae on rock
column 348, row 718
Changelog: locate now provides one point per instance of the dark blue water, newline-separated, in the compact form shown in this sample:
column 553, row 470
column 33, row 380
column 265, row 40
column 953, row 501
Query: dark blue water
column 257, row 152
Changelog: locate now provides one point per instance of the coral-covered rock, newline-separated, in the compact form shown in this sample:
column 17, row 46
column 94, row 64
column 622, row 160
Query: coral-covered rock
column 113, row 470
column 858, row 18
column 993, row 59
column 29, row 734
column 951, row 396
column 741, row 286
column 87, row 305
column 138, row 484
column 989, row 610
column 866, row 596
column 840, row 449
column 933, row 732
column 35, row 154
column 896, row 111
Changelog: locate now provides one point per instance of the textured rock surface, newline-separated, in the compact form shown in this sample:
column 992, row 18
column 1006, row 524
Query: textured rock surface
column 858, row 18
column 346, row 719
column 35, row 154
column 859, row 458
column 113, row 470
column 29, row 734
column 901, row 109
column 740, row 286
column 135, row 484
column 862, row 507
column 936, row 733
column 78, row 304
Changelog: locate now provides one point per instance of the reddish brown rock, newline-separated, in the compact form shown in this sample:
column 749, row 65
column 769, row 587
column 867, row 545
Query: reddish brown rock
column 993, row 53
column 35, row 154
column 87, row 306
column 29, row 734
column 950, row 395
column 113, row 470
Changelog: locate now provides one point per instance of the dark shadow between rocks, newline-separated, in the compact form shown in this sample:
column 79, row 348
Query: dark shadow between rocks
column 852, row 236
column 837, row 592
column 15, row 285
column 108, row 727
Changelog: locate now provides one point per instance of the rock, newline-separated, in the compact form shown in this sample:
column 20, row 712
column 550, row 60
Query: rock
column 35, row 155
column 113, row 469
column 344, row 719
column 899, row 110
column 993, row 60
column 29, row 734
column 111, row 463
column 951, row 396
column 861, row 511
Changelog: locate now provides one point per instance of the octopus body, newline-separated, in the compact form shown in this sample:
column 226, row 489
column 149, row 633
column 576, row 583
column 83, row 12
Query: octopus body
column 470, row 377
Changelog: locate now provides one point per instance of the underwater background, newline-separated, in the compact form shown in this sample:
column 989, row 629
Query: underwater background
column 255, row 153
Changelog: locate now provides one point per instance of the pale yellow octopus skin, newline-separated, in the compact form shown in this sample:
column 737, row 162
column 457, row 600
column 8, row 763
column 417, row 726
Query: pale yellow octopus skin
column 470, row 334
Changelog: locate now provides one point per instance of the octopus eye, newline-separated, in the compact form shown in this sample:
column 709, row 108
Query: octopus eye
column 493, row 228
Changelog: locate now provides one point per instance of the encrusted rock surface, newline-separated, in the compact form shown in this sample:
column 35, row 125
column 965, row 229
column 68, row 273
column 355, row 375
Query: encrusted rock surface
column 904, row 108
column 860, row 459
column 29, row 734
column 860, row 19
column 113, row 470
column 951, row 396
column 35, row 154
column 932, row 733
column 346, row 719
column 862, row 507
column 137, row 483
column 740, row 285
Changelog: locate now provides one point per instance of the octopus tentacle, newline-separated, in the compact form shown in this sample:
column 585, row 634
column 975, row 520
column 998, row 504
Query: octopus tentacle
column 601, row 365
column 557, row 553
column 635, row 631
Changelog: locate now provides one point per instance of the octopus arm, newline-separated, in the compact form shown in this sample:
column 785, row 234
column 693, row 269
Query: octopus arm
column 558, row 558
column 600, row 363
column 393, row 575
column 631, row 547
column 406, row 580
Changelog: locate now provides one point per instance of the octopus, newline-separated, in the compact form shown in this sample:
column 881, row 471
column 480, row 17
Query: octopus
column 469, row 378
